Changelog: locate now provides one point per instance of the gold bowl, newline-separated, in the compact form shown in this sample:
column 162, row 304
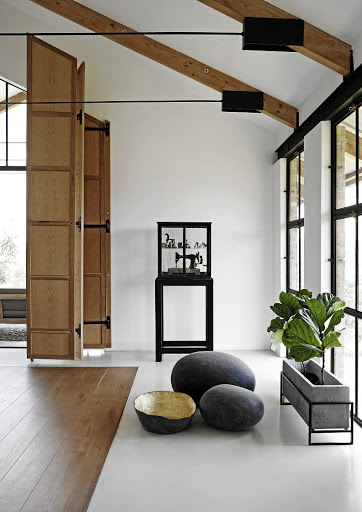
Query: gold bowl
column 165, row 412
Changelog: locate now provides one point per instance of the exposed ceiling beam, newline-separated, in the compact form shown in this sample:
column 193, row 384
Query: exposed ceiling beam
column 17, row 98
column 350, row 146
column 318, row 45
column 165, row 55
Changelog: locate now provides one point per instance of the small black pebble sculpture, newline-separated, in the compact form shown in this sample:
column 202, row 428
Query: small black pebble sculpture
column 195, row 373
column 231, row 408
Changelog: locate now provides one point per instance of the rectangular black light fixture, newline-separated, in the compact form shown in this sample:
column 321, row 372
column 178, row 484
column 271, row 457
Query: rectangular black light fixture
column 242, row 101
column 272, row 34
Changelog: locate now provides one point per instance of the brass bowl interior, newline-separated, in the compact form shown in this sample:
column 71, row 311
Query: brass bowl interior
column 168, row 404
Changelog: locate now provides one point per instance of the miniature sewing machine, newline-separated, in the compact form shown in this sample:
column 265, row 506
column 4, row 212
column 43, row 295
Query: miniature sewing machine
column 192, row 257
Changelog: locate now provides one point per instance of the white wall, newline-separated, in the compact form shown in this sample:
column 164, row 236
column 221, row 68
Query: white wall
column 174, row 162
column 193, row 163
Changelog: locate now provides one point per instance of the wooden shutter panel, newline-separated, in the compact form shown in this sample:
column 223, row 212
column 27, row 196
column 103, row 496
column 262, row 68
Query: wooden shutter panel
column 97, row 242
column 54, row 203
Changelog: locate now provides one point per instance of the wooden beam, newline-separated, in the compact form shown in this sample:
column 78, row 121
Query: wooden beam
column 20, row 97
column 166, row 56
column 350, row 146
column 318, row 45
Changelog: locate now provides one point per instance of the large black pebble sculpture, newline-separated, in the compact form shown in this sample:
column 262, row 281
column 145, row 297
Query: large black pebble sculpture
column 231, row 408
column 196, row 373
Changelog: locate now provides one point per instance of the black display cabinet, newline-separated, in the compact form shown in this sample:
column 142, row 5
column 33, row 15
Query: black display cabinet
column 184, row 259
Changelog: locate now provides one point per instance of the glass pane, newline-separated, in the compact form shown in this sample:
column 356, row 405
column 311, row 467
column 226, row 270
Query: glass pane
column 196, row 249
column 172, row 250
column 360, row 262
column 294, row 188
column 344, row 357
column 346, row 260
column 359, row 402
column 294, row 259
column 17, row 153
column 360, row 155
column 2, row 153
column 2, row 91
column 346, row 162
column 12, row 229
column 302, row 257
column 302, row 185
column 2, row 122
column 17, row 123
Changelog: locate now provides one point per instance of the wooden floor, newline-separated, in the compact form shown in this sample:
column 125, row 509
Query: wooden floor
column 56, row 427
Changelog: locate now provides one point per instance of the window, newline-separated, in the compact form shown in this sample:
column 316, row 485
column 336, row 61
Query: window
column 12, row 126
column 346, row 246
column 12, row 186
column 295, row 222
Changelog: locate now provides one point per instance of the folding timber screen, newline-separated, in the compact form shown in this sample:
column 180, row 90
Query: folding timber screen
column 97, row 241
column 54, row 203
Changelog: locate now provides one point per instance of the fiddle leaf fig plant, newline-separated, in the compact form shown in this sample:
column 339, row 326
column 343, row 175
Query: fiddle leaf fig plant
column 305, row 325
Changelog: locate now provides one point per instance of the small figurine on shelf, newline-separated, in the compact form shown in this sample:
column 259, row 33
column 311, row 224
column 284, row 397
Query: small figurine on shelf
column 203, row 245
column 187, row 245
column 197, row 245
column 170, row 242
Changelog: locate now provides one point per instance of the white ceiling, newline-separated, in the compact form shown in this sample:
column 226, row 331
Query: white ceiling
column 288, row 76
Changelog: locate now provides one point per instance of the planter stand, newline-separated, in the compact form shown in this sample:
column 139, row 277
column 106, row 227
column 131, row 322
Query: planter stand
column 311, row 430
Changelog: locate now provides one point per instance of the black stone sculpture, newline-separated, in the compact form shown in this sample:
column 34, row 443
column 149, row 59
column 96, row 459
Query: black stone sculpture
column 195, row 373
column 230, row 407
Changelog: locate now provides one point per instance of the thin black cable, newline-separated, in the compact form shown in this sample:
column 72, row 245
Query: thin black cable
column 155, row 33
column 107, row 101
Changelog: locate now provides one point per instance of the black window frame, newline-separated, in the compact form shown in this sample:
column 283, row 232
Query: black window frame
column 298, row 223
column 346, row 212
column 8, row 167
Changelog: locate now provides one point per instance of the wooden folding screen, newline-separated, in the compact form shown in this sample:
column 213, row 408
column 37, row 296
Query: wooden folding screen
column 97, row 244
column 54, row 203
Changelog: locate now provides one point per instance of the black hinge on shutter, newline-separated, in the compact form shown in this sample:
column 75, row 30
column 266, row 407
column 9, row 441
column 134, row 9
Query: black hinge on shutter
column 80, row 116
column 106, row 226
column 79, row 224
column 78, row 330
column 98, row 129
column 106, row 322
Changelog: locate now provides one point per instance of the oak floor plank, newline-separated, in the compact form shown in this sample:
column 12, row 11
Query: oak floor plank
column 23, row 405
column 15, row 390
column 21, row 479
column 16, row 442
column 85, row 447
column 10, row 375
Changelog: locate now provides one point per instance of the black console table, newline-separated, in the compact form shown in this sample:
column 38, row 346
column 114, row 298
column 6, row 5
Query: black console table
column 183, row 347
column 184, row 259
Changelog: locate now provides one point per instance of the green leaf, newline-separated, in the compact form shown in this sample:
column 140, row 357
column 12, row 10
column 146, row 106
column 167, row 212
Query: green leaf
column 335, row 320
column 304, row 293
column 327, row 299
column 318, row 312
column 331, row 303
column 289, row 300
column 276, row 339
column 282, row 311
column 331, row 340
column 338, row 305
column 275, row 324
column 306, row 315
column 299, row 332
column 304, row 352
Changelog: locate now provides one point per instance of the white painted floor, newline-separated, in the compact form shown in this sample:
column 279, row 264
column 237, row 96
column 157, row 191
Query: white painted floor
column 268, row 468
